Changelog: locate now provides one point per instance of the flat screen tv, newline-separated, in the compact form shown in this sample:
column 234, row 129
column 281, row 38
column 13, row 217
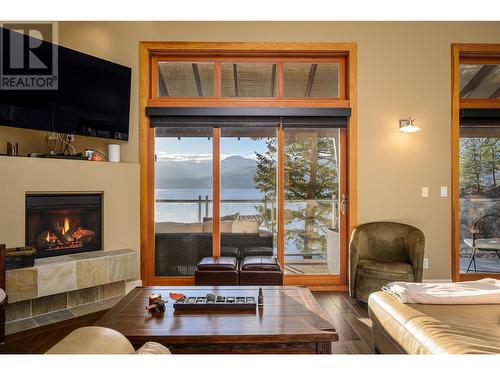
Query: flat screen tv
column 92, row 96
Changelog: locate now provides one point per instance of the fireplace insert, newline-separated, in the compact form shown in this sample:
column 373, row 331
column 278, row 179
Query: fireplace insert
column 58, row 224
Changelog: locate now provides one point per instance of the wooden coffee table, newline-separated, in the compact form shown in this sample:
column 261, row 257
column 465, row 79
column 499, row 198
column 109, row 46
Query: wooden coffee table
column 291, row 321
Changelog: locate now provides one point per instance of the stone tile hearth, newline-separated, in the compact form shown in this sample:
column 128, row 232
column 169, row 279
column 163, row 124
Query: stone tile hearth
column 57, row 316
column 67, row 273
column 63, row 287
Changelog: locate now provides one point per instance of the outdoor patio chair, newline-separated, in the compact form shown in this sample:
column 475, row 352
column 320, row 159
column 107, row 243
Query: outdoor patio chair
column 485, row 233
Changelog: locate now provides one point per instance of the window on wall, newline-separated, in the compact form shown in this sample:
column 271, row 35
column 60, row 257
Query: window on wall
column 247, row 185
column 478, row 195
column 185, row 79
column 479, row 81
column 248, row 79
column 248, row 198
column 309, row 80
column 312, row 236
column 479, row 188
column 272, row 79
column 249, row 160
column 183, row 199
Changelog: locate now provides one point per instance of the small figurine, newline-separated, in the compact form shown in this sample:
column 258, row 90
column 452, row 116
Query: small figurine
column 260, row 298
column 156, row 304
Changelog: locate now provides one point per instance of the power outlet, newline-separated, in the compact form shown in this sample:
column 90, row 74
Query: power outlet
column 426, row 263
column 70, row 138
column 425, row 192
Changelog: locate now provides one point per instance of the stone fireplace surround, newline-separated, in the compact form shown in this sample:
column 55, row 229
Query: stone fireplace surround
column 62, row 287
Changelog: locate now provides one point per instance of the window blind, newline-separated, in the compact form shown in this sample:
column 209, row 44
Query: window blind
column 248, row 117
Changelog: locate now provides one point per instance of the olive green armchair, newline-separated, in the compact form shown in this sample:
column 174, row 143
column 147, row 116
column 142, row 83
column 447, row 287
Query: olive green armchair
column 383, row 252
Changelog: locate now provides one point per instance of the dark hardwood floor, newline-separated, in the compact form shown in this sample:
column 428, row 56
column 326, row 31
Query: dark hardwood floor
column 348, row 316
column 39, row 340
column 350, row 319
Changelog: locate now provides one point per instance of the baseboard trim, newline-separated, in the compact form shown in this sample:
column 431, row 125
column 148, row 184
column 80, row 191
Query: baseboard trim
column 328, row 288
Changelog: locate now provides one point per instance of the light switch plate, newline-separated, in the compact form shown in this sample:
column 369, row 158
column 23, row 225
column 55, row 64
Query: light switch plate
column 444, row 191
column 426, row 263
column 425, row 192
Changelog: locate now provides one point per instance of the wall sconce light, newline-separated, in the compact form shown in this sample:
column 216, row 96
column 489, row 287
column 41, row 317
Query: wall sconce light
column 407, row 125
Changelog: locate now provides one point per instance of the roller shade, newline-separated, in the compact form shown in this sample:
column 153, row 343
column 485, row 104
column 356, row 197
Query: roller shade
column 212, row 121
column 248, row 117
column 480, row 122
column 315, row 122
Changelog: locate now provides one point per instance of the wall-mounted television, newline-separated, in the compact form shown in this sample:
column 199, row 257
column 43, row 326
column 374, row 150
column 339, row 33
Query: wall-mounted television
column 92, row 96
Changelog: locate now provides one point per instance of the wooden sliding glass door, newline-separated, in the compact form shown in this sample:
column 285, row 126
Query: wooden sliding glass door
column 476, row 161
column 183, row 199
column 315, row 200
column 247, row 151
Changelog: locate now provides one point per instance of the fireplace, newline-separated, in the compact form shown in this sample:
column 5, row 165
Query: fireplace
column 58, row 224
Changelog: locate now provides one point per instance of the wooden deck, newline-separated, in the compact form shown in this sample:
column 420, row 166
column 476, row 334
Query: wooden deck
column 349, row 317
column 306, row 267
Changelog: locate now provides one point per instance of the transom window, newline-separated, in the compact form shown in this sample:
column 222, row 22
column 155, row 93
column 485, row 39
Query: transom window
column 274, row 79
column 479, row 81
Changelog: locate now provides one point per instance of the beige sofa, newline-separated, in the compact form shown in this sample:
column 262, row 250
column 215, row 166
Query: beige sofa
column 433, row 329
column 100, row 340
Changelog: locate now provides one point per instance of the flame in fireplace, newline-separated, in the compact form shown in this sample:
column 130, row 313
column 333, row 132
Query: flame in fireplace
column 66, row 225
column 48, row 237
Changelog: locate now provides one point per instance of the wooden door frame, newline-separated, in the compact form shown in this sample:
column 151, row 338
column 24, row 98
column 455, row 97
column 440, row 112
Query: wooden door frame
column 468, row 53
column 146, row 135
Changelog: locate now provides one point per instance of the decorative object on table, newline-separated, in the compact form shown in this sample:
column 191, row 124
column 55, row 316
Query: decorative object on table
column 176, row 296
column 12, row 149
column 214, row 302
column 89, row 152
column 156, row 303
column 383, row 252
column 19, row 257
column 260, row 298
column 96, row 157
column 227, row 331
column 114, row 153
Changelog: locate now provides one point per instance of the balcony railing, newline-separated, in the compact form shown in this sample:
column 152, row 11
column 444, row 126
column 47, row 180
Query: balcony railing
column 192, row 210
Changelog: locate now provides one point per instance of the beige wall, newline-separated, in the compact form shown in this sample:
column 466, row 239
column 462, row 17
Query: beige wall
column 403, row 68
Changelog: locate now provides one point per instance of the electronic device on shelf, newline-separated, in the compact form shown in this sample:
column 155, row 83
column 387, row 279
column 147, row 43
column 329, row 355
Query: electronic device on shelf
column 92, row 97
column 78, row 156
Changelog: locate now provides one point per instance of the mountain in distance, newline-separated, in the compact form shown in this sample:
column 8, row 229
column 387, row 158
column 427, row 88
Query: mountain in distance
column 236, row 173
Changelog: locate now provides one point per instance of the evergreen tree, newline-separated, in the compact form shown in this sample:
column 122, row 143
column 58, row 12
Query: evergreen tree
column 471, row 165
column 479, row 164
column 490, row 157
column 311, row 175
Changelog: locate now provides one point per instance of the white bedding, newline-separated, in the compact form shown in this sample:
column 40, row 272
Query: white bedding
column 485, row 291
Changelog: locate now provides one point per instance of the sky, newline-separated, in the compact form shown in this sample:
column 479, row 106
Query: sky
column 198, row 149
